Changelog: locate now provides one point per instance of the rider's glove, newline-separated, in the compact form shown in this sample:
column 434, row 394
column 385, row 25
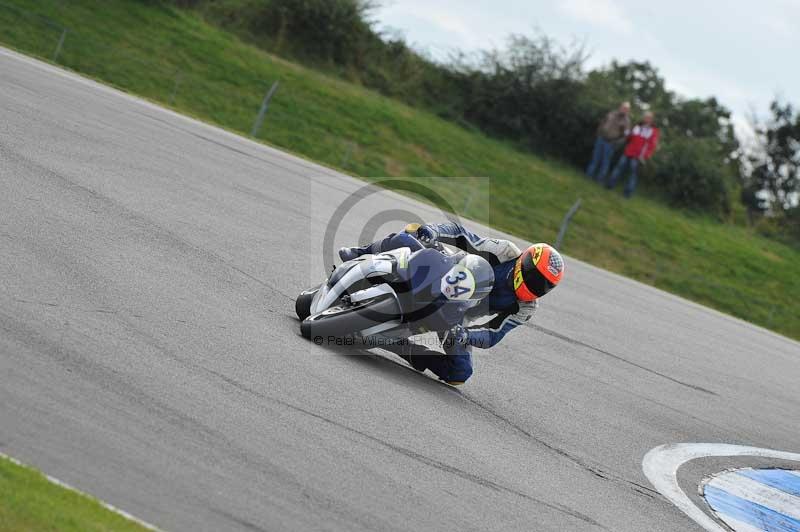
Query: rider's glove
column 427, row 235
column 457, row 335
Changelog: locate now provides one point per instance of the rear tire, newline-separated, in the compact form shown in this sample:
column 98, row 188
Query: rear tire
column 339, row 322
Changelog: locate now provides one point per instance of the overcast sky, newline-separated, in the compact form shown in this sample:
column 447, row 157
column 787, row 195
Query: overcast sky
column 745, row 52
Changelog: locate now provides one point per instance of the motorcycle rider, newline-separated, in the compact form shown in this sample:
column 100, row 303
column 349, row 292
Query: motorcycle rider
column 520, row 279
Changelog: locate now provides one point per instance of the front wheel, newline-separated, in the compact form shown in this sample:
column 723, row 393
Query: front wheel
column 339, row 322
column 302, row 305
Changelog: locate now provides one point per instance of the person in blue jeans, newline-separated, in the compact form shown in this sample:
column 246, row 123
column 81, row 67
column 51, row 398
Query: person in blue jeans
column 642, row 143
column 630, row 164
column 610, row 133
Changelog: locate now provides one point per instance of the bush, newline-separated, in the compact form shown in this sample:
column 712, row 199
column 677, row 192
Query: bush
column 791, row 224
column 328, row 31
column 694, row 173
column 531, row 92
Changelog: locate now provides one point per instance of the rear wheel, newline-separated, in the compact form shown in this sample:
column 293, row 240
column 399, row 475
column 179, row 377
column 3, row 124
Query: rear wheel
column 339, row 322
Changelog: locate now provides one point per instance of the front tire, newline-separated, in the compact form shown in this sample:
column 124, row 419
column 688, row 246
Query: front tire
column 339, row 322
column 302, row 305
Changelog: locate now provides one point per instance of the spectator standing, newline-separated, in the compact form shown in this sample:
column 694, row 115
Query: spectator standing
column 642, row 143
column 612, row 131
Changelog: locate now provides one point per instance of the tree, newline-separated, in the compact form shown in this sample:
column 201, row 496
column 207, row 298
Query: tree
column 637, row 82
column 773, row 185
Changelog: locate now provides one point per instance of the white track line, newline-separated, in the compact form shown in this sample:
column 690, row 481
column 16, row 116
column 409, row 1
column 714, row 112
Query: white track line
column 660, row 466
column 64, row 485
column 754, row 491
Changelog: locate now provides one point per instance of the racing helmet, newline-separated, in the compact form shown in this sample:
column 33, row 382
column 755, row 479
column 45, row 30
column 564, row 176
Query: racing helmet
column 470, row 279
column 537, row 271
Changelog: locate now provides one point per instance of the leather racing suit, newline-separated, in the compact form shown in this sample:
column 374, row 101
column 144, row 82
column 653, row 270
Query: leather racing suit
column 489, row 321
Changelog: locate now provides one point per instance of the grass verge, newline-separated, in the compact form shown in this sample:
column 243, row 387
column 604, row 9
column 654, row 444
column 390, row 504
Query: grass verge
column 29, row 501
column 174, row 57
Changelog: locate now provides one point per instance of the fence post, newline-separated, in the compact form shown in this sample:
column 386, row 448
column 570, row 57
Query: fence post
column 263, row 110
column 175, row 86
column 60, row 45
column 567, row 217
column 347, row 153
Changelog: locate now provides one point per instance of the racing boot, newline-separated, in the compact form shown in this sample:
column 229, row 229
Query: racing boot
column 350, row 253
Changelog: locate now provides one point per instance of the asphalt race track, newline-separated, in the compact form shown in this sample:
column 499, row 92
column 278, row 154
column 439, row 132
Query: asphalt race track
column 149, row 352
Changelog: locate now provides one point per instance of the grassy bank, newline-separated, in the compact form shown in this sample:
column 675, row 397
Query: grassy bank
column 28, row 501
column 174, row 57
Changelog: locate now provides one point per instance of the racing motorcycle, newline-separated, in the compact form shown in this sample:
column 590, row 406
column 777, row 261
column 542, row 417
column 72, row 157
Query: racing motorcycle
column 395, row 294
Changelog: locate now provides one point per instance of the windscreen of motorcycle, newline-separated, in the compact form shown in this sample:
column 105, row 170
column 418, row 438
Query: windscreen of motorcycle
column 470, row 279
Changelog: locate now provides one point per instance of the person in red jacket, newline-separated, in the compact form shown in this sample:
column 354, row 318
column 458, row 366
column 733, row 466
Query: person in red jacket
column 642, row 143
